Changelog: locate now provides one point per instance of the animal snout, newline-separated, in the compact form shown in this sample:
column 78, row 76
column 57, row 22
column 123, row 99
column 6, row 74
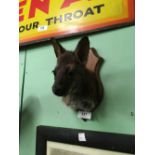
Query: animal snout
column 57, row 90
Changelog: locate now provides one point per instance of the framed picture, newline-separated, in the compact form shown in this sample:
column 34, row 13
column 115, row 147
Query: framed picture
column 64, row 141
column 41, row 20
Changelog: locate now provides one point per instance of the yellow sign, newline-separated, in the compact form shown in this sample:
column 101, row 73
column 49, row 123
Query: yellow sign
column 44, row 19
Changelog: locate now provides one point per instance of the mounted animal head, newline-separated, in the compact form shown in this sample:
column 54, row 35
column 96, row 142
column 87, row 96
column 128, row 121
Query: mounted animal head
column 70, row 69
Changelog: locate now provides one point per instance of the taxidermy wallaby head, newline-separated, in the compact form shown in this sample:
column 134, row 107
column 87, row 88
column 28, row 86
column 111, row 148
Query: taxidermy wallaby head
column 79, row 87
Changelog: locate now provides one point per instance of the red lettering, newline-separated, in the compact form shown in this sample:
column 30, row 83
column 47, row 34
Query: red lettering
column 22, row 3
column 42, row 5
column 67, row 3
column 21, row 17
column 20, row 10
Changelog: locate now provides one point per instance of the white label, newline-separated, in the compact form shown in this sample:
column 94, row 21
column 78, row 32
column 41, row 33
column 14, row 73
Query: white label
column 85, row 115
column 42, row 28
column 82, row 137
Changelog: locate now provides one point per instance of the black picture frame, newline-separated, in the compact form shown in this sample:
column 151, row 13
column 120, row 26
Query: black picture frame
column 99, row 140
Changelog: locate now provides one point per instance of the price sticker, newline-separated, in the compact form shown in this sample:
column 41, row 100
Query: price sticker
column 84, row 115
column 42, row 28
column 82, row 137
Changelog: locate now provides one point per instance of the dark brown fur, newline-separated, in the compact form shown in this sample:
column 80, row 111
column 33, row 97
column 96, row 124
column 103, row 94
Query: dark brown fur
column 77, row 85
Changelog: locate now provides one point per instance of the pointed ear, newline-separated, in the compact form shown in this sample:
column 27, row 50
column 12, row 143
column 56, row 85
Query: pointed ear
column 58, row 49
column 82, row 49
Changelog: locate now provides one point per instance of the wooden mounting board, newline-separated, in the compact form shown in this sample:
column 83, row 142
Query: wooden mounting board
column 94, row 64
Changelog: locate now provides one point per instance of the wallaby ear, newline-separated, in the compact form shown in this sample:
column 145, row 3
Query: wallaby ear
column 57, row 48
column 82, row 49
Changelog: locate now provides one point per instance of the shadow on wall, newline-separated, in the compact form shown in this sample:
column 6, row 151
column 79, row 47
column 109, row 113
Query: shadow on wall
column 30, row 112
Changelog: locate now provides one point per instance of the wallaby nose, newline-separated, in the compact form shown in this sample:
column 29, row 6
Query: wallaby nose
column 57, row 90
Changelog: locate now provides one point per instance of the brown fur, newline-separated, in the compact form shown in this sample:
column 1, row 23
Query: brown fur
column 77, row 85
